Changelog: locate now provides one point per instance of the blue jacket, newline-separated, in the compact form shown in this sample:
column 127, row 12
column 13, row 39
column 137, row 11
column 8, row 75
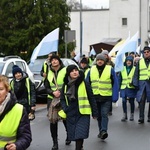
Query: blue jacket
column 141, row 85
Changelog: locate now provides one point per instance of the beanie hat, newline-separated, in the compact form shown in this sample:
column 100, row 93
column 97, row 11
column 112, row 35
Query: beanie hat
column 101, row 57
column 104, row 52
column 16, row 69
column 70, row 68
column 84, row 60
column 129, row 58
column 55, row 57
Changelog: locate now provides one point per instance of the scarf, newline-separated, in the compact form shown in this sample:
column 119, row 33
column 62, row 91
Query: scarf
column 4, row 103
column 71, row 89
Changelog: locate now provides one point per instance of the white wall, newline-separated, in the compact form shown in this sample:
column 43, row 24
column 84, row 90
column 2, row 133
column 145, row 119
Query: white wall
column 99, row 24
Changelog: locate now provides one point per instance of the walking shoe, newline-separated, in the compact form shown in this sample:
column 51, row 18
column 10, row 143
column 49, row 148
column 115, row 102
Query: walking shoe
column 110, row 113
column 131, row 117
column 103, row 135
column 141, row 121
column 124, row 118
column 99, row 135
column 67, row 142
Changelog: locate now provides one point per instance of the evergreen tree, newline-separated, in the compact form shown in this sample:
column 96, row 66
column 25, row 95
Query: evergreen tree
column 23, row 24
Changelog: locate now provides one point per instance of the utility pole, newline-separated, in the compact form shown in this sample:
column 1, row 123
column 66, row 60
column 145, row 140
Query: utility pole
column 81, row 28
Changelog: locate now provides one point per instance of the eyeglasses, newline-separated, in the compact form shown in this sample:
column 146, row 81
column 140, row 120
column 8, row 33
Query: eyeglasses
column 146, row 52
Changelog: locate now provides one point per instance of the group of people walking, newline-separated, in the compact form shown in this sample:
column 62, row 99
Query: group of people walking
column 84, row 90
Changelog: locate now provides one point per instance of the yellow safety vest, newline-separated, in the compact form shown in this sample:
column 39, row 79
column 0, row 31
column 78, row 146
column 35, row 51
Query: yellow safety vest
column 28, row 88
column 90, row 61
column 9, row 125
column 84, row 105
column 45, row 68
column 127, row 78
column 59, row 80
column 144, row 71
column 101, row 85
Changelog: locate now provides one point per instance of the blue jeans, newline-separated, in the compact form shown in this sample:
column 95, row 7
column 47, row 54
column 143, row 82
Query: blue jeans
column 124, row 104
column 103, row 110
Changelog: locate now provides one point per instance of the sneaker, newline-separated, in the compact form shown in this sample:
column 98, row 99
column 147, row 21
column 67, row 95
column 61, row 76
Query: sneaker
column 103, row 135
column 124, row 118
column 67, row 142
column 99, row 135
column 110, row 113
column 141, row 121
column 132, row 117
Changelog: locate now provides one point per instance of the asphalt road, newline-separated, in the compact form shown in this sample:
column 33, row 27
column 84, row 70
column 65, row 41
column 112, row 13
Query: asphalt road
column 122, row 135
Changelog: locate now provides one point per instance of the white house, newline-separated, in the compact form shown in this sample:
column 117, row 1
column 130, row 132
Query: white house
column 123, row 17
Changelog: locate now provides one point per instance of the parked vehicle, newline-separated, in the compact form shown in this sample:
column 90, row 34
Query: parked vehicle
column 7, row 62
column 36, row 69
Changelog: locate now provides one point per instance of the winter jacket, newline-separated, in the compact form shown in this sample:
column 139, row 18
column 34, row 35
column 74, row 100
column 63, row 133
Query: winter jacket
column 141, row 85
column 21, row 91
column 77, row 124
column 23, row 137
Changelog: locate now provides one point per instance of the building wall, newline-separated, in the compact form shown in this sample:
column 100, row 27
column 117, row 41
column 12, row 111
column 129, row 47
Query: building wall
column 107, row 23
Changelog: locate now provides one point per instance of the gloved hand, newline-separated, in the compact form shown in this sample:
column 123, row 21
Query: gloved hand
column 31, row 115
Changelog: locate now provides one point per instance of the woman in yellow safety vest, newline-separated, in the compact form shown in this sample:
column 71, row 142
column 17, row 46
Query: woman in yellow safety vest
column 15, row 132
column 78, row 104
column 127, row 91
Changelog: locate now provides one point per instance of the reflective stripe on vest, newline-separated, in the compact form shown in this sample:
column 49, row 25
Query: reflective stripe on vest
column 27, row 86
column 101, row 85
column 9, row 125
column 144, row 71
column 59, row 80
column 84, row 105
column 127, row 78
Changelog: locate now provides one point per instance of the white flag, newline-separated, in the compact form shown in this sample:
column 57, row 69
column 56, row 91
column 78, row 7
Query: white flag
column 48, row 44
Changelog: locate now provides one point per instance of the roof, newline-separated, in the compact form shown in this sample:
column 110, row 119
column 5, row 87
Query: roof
column 105, row 43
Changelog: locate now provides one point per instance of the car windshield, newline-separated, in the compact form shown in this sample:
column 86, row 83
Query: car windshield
column 38, row 63
column 1, row 67
column 37, row 66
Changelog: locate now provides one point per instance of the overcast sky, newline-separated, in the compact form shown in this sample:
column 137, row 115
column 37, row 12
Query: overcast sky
column 96, row 3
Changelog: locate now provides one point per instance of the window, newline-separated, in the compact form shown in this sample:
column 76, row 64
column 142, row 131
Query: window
column 124, row 21
column 9, row 70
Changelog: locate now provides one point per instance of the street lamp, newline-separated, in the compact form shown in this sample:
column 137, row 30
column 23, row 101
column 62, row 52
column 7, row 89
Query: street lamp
column 80, row 28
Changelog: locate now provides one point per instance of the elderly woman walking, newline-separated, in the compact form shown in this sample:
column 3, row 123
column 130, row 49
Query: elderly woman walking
column 78, row 104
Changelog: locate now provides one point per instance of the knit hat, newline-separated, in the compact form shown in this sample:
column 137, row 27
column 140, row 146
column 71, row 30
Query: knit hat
column 55, row 57
column 101, row 57
column 130, row 58
column 16, row 69
column 104, row 52
column 70, row 68
column 84, row 60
